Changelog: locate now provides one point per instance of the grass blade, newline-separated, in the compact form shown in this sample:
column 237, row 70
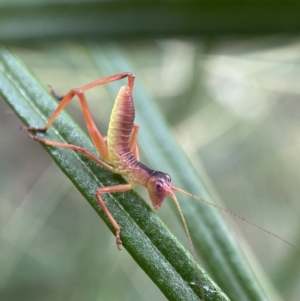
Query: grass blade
column 61, row 20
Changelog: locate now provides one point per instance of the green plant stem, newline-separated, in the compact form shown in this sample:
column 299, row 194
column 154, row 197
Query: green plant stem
column 60, row 20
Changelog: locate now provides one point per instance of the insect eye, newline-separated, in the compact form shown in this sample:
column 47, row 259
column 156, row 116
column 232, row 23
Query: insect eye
column 168, row 178
column 158, row 187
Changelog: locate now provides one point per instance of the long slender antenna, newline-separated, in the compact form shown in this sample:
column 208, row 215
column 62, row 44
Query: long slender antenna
column 190, row 243
column 234, row 215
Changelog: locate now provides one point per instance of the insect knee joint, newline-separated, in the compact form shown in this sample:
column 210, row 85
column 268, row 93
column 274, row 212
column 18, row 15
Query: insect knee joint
column 78, row 91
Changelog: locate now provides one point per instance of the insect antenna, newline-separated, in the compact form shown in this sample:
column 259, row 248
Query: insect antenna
column 234, row 215
column 190, row 241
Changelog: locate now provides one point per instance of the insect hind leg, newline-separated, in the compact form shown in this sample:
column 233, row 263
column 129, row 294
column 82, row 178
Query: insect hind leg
column 96, row 136
column 72, row 147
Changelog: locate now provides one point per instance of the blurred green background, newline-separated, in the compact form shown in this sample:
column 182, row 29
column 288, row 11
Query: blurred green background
column 233, row 104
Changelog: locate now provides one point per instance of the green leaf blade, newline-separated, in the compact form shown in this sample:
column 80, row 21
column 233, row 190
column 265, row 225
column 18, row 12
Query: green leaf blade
column 56, row 20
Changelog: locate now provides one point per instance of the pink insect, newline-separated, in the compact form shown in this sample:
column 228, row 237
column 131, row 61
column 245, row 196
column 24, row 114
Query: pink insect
column 119, row 151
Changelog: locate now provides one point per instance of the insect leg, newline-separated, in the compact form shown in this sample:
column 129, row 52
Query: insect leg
column 95, row 134
column 110, row 189
column 64, row 102
column 68, row 97
column 110, row 79
column 73, row 147
column 132, row 143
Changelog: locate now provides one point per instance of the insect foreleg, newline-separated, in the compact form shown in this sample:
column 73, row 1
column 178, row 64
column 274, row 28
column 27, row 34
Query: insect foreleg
column 111, row 189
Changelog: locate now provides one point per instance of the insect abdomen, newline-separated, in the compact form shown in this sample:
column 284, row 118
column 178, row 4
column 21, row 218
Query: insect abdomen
column 120, row 129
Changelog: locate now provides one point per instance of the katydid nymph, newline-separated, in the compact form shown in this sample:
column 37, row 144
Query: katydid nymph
column 119, row 152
